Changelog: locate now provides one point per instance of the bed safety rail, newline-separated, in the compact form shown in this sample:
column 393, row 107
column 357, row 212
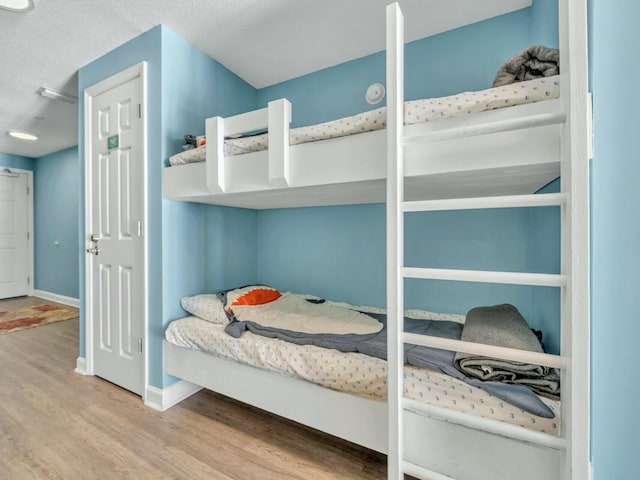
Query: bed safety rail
column 485, row 424
column 506, row 125
column 276, row 118
column 506, row 201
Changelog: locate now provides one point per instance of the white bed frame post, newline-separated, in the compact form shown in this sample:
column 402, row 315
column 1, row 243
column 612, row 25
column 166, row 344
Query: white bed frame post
column 214, row 128
column 395, row 238
column 279, row 118
column 276, row 117
column 575, row 300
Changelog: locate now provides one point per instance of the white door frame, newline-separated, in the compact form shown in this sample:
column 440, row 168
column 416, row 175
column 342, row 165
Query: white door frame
column 30, row 245
column 139, row 70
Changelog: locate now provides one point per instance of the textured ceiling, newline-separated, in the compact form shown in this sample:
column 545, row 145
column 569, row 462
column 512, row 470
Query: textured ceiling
column 262, row 41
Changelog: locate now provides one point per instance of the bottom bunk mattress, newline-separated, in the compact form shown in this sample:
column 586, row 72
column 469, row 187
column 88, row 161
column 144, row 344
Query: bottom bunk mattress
column 352, row 373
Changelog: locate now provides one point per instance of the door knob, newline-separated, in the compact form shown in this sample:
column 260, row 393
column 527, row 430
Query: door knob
column 95, row 250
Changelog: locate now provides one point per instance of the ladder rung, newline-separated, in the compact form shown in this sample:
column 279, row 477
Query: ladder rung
column 486, row 425
column 484, row 128
column 423, row 473
column 511, row 354
column 510, row 278
column 507, row 201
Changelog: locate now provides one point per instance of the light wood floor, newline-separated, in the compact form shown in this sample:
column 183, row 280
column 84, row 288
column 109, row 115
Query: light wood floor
column 56, row 424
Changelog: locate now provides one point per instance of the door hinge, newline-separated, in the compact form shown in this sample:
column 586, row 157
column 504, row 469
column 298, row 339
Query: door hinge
column 139, row 345
column 139, row 228
column 27, row 190
column 590, row 126
column 28, row 280
column 28, row 235
column 139, row 110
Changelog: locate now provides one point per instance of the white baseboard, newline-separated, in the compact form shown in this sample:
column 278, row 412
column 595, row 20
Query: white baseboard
column 162, row 399
column 54, row 297
column 81, row 366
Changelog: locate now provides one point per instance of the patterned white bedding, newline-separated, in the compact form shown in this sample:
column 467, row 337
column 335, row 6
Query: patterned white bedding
column 352, row 373
column 417, row 111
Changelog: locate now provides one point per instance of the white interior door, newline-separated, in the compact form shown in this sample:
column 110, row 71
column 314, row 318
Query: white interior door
column 117, row 269
column 14, row 242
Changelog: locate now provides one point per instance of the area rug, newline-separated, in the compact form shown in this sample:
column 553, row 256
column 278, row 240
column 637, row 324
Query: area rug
column 34, row 316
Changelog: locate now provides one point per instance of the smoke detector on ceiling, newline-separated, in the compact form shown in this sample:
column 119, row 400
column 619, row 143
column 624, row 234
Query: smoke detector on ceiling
column 17, row 5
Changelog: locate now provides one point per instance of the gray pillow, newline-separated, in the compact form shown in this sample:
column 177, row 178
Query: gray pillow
column 206, row 306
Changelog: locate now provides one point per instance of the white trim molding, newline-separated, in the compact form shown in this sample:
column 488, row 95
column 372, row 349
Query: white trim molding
column 163, row 399
column 81, row 366
column 54, row 297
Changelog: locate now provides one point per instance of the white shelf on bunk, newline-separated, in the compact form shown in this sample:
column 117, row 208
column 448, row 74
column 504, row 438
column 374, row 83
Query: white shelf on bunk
column 353, row 169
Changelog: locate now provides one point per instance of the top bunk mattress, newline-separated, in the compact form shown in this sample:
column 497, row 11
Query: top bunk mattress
column 416, row 111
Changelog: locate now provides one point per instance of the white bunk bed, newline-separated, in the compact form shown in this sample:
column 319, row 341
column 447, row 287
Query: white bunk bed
column 424, row 441
column 353, row 169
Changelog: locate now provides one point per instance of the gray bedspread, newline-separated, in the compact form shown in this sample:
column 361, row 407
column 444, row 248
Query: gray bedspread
column 375, row 345
column 534, row 62
column 502, row 325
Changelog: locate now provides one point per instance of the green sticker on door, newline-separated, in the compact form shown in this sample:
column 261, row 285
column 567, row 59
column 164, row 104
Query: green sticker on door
column 113, row 141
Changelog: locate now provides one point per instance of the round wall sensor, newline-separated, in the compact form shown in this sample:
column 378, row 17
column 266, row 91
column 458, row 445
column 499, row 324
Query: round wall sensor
column 375, row 93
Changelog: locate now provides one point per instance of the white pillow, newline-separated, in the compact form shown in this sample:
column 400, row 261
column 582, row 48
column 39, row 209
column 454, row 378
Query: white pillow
column 206, row 306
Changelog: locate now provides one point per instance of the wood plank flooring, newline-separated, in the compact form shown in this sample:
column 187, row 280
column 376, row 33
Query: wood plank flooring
column 57, row 424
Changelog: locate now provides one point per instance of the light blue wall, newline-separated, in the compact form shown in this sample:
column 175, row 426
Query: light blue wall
column 452, row 62
column 55, row 206
column 184, row 87
column 205, row 248
column 8, row 160
column 615, row 234
column 338, row 252
column 56, row 186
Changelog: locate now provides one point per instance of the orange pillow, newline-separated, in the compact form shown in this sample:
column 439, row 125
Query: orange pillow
column 255, row 295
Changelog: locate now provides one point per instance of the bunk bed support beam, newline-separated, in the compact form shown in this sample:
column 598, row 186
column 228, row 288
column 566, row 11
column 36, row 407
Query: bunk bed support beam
column 215, row 171
column 395, row 241
column 279, row 117
column 574, row 169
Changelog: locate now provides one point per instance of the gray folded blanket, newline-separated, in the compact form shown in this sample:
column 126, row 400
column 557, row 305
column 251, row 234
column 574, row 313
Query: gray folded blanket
column 534, row 62
column 502, row 325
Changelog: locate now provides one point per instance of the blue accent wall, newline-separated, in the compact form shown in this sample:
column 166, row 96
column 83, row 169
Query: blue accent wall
column 615, row 234
column 56, row 185
column 9, row 160
column 445, row 64
column 184, row 87
column 339, row 252
column 204, row 248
